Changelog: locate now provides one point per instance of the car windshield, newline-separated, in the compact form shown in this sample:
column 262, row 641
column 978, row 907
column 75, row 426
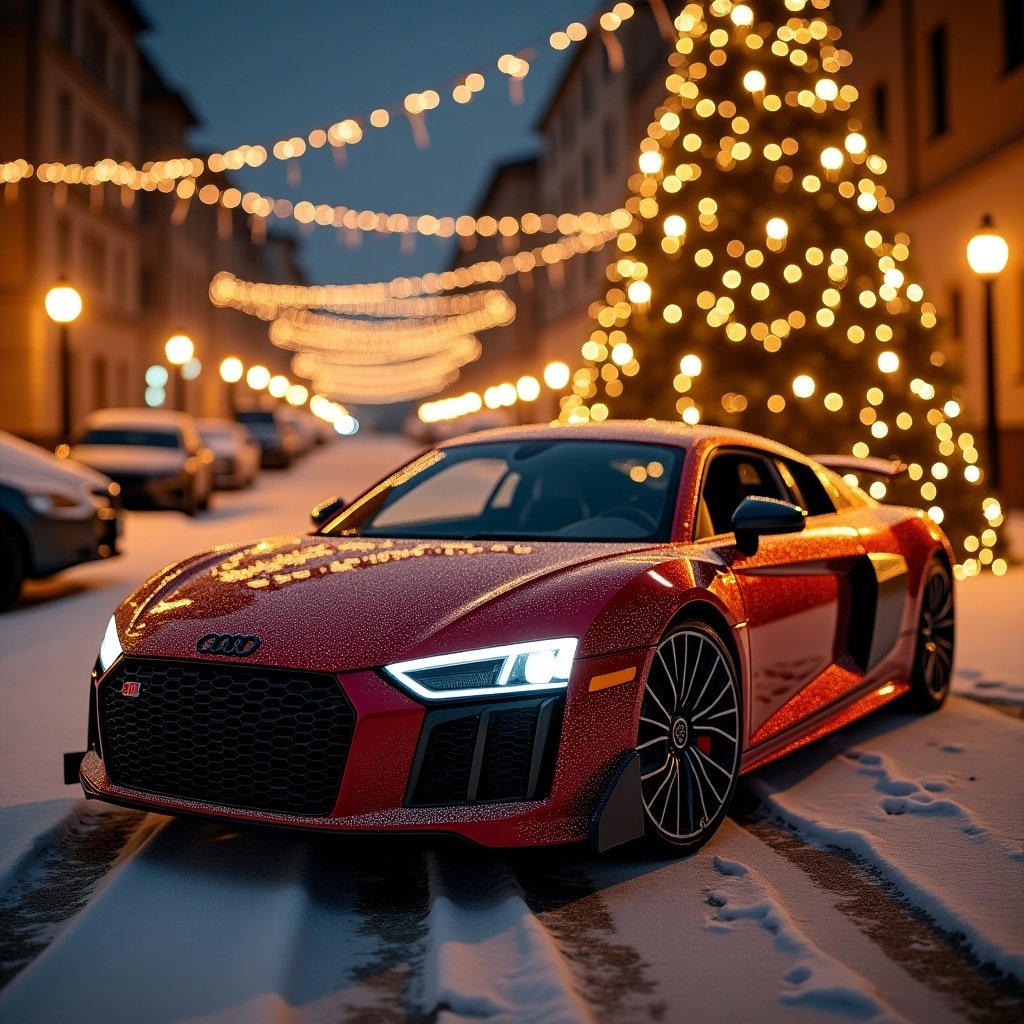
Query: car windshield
column 565, row 490
column 131, row 436
column 256, row 417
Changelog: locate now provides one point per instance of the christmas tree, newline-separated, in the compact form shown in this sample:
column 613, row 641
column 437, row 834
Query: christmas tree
column 760, row 285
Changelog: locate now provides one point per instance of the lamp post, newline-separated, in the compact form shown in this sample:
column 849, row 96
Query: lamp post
column 63, row 306
column 231, row 370
column 987, row 253
column 179, row 349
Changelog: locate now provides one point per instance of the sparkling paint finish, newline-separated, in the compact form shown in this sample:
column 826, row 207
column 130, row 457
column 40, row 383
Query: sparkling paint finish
column 348, row 605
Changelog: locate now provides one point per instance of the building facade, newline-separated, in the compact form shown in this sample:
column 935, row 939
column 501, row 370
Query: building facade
column 77, row 89
column 942, row 92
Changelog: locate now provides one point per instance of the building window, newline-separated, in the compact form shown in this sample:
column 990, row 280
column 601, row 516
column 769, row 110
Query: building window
column 65, row 267
column 609, row 146
column 956, row 313
column 1013, row 33
column 65, row 117
column 119, row 78
column 94, row 51
column 938, row 80
column 99, row 383
column 880, row 107
column 94, row 263
column 587, row 174
column 94, row 140
column 586, row 95
column 870, row 6
column 121, row 278
column 568, row 127
column 67, row 25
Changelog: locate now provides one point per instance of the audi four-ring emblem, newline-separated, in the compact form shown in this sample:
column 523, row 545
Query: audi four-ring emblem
column 228, row 644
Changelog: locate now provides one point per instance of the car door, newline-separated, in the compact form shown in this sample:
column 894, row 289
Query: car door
column 794, row 588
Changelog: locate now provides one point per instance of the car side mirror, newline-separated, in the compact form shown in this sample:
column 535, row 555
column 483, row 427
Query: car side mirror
column 326, row 510
column 758, row 517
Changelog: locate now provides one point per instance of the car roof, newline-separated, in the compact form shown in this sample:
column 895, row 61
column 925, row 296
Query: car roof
column 165, row 418
column 680, row 435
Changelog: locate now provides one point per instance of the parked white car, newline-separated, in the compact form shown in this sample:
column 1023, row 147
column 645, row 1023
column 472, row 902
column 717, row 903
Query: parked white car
column 236, row 453
column 156, row 456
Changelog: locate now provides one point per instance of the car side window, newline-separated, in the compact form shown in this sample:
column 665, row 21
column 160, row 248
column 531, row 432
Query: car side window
column 807, row 489
column 731, row 477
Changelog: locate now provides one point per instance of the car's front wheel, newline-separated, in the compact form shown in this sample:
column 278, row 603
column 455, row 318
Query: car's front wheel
column 689, row 738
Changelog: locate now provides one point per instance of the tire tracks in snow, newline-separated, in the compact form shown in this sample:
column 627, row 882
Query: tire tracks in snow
column 936, row 958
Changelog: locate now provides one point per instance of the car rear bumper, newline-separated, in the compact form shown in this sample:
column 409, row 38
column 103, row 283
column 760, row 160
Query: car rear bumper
column 513, row 773
column 144, row 491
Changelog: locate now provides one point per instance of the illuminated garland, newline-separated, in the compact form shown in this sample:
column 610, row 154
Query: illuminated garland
column 180, row 175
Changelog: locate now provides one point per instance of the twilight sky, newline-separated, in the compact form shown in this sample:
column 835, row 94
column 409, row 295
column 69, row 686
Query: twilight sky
column 259, row 70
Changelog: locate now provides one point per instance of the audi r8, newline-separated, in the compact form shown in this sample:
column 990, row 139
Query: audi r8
column 526, row 636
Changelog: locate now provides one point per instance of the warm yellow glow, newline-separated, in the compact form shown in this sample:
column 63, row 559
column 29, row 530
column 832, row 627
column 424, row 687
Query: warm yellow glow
column 650, row 162
column 278, row 386
column 556, row 375
column 691, row 365
column 231, row 370
column 675, row 226
column 63, row 304
column 258, row 377
column 832, row 158
column 776, row 229
column 528, row 388
column 296, row 394
column 179, row 349
column 888, row 361
column 803, row 386
column 987, row 253
column 754, row 81
column 639, row 293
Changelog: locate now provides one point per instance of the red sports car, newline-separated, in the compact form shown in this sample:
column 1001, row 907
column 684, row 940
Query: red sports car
column 525, row 636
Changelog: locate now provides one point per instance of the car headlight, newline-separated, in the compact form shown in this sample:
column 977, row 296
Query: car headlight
column 110, row 646
column 48, row 504
column 532, row 667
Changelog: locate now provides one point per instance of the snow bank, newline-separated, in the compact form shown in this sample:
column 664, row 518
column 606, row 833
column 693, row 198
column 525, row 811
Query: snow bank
column 934, row 805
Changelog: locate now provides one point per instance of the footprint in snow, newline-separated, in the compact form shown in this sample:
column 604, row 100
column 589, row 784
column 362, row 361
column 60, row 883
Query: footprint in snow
column 921, row 803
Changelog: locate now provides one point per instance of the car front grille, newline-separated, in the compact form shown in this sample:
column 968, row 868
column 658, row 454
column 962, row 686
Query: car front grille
column 238, row 735
column 486, row 753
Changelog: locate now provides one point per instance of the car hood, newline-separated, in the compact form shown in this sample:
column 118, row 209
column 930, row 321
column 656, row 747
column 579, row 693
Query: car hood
column 125, row 458
column 346, row 603
column 32, row 468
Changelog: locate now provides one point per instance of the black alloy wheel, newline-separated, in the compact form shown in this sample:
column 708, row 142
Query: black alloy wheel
column 933, row 658
column 689, row 738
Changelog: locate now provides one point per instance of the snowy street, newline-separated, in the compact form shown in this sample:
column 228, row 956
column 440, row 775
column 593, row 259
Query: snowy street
column 875, row 875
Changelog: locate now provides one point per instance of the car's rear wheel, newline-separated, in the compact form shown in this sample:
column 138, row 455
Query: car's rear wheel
column 933, row 657
column 688, row 738
column 12, row 566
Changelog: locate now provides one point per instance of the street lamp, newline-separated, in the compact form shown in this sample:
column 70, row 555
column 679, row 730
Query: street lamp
column 231, row 371
column 64, row 306
column 987, row 253
column 179, row 349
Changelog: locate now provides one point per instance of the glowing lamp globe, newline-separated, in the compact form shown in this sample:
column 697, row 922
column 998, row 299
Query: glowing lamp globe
column 63, row 304
column 258, row 377
column 556, row 375
column 179, row 349
column 231, row 370
column 987, row 251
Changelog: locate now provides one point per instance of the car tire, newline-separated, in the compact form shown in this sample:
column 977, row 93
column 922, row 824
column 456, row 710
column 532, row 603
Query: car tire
column 689, row 738
column 932, row 675
column 204, row 504
column 12, row 566
column 189, row 502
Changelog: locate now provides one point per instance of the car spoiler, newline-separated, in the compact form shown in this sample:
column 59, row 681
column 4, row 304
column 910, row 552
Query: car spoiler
column 869, row 465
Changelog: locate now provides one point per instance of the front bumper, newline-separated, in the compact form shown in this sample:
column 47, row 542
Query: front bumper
column 382, row 788
column 61, row 543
